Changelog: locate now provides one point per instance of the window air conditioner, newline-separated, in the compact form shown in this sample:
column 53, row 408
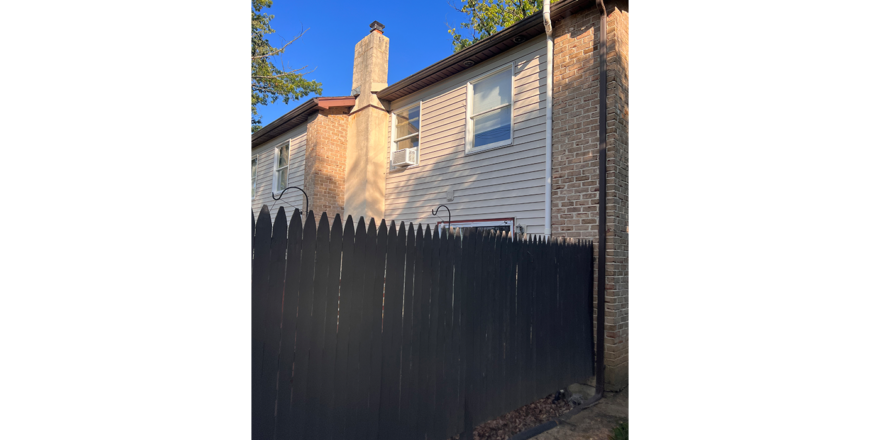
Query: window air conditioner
column 404, row 157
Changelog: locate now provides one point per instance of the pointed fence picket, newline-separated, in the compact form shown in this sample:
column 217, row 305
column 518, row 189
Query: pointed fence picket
column 402, row 332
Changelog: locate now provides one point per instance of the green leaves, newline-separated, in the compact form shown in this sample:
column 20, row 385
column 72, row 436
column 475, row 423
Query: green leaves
column 268, row 81
column 491, row 16
column 621, row 431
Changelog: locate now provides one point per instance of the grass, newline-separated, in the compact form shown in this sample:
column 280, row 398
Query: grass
column 621, row 432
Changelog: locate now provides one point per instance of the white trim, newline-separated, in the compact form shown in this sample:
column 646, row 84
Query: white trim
column 481, row 223
column 395, row 139
column 275, row 168
column 499, row 107
column 254, row 175
column 407, row 137
column 469, row 115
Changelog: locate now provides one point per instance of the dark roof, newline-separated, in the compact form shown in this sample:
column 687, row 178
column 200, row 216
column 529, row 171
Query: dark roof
column 522, row 31
column 299, row 115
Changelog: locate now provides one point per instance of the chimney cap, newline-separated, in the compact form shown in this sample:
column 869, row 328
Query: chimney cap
column 376, row 26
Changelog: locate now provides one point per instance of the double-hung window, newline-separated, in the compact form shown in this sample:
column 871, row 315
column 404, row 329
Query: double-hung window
column 253, row 177
column 406, row 128
column 282, row 157
column 490, row 111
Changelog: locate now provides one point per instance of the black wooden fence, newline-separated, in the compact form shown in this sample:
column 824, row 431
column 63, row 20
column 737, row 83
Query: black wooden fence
column 366, row 332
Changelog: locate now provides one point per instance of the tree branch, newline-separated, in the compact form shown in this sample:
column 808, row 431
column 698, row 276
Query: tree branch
column 281, row 49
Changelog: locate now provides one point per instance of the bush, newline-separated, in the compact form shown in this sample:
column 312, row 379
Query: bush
column 621, row 432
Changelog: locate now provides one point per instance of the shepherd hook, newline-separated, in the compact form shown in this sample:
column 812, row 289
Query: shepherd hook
column 301, row 190
column 434, row 212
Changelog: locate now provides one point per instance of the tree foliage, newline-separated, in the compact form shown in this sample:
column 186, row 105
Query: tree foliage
column 269, row 81
column 490, row 16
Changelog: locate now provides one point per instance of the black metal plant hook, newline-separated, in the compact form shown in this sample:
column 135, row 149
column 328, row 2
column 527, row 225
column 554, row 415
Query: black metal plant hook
column 306, row 212
column 434, row 212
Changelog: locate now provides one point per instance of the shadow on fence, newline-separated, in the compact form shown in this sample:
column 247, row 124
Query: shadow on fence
column 399, row 333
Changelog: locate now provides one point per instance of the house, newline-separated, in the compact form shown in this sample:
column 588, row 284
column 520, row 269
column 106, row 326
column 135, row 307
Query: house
column 471, row 132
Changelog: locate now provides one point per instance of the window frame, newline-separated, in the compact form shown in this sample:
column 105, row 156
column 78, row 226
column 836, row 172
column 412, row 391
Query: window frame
column 275, row 169
column 255, row 160
column 507, row 221
column 469, row 116
column 395, row 139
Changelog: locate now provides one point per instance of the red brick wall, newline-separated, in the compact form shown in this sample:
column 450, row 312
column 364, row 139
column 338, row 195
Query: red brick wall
column 326, row 143
column 575, row 185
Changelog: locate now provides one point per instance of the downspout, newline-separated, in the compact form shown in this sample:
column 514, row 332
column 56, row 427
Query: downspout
column 548, row 156
column 600, row 278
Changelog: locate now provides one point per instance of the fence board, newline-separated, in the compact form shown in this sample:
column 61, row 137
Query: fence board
column 408, row 399
column 253, row 231
column 317, row 360
column 347, row 288
column 533, row 318
column 455, row 414
column 424, row 318
column 259, row 279
column 365, row 324
column 355, row 405
column 566, row 309
column 430, row 400
column 446, row 381
column 468, row 334
column 288, row 328
column 389, row 399
column 589, row 327
column 375, row 307
column 304, row 328
column 492, row 325
column 326, row 393
column 508, row 294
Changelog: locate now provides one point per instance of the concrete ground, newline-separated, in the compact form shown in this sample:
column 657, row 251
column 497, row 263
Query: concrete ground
column 594, row 423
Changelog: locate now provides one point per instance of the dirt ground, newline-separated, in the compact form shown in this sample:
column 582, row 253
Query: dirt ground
column 594, row 423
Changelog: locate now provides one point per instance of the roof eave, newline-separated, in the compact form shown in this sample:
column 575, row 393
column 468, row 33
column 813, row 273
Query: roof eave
column 297, row 116
column 528, row 27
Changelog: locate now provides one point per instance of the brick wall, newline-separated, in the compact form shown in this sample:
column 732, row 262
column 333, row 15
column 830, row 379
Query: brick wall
column 326, row 143
column 575, row 186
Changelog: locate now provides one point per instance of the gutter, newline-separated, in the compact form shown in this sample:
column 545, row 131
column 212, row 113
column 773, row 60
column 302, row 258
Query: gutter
column 548, row 157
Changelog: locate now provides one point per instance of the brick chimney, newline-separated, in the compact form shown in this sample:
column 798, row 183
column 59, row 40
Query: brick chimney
column 366, row 156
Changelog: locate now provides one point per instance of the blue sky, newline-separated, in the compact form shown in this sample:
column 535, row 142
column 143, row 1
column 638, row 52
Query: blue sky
column 417, row 30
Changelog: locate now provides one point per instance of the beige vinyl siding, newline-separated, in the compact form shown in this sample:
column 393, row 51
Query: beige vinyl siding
column 498, row 183
column 266, row 167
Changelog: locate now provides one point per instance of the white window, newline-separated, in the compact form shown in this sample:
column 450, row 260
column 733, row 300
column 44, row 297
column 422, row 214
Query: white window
column 282, row 158
column 406, row 128
column 253, row 177
column 490, row 111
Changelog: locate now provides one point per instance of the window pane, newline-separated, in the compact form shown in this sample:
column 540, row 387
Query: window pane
column 282, row 179
column 492, row 92
column 283, row 155
column 412, row 142
column 253, row 168
column 253, row 188
column 492, row 127
column 408, row 122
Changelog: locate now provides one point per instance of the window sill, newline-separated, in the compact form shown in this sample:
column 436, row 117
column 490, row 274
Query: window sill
column 472, row 151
